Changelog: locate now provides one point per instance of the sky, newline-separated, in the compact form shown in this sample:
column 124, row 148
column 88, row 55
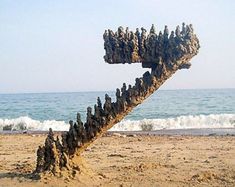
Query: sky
column 57, row 46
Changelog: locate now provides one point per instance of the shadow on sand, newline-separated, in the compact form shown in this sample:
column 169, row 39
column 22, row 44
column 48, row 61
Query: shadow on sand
column 29, row 176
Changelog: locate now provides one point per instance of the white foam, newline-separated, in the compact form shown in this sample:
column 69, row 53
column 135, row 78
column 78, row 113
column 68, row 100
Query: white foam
column 26, row 123
column 181, row 122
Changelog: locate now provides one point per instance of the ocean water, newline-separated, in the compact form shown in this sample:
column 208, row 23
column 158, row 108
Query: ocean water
column 165, row 109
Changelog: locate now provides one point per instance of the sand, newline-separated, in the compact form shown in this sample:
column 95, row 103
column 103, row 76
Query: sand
column 134, row 160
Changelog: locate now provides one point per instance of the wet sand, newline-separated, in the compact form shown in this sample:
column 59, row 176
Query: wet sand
column 128, row 160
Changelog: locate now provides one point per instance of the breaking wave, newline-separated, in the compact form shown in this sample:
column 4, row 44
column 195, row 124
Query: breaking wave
column 181, row 122
column 26, row 123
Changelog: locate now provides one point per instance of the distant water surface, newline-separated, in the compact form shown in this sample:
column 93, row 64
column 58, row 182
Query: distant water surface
column 164, row 109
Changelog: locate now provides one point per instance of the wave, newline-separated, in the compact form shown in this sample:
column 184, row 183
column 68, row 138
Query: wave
column 26, row 123
column 181, row 122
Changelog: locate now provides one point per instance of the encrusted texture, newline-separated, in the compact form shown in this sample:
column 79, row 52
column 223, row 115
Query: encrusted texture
column 162, row 54
column 149, row 48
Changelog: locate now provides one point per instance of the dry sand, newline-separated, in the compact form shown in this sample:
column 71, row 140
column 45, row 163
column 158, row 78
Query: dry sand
column 120, row 160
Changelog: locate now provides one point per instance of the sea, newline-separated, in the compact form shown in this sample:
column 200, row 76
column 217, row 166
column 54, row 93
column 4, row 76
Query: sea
column 164, row 110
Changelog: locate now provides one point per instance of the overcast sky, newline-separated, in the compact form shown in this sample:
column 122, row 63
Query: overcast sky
column 57, row 46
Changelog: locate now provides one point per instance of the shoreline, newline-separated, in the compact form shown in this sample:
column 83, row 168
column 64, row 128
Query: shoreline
column 187, row 132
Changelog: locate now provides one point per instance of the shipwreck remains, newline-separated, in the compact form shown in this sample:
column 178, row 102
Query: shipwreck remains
column 164, row 53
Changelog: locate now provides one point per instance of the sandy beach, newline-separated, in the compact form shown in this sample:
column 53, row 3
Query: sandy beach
column 127, row 160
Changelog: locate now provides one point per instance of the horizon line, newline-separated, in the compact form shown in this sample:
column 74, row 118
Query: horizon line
column 85, row 91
